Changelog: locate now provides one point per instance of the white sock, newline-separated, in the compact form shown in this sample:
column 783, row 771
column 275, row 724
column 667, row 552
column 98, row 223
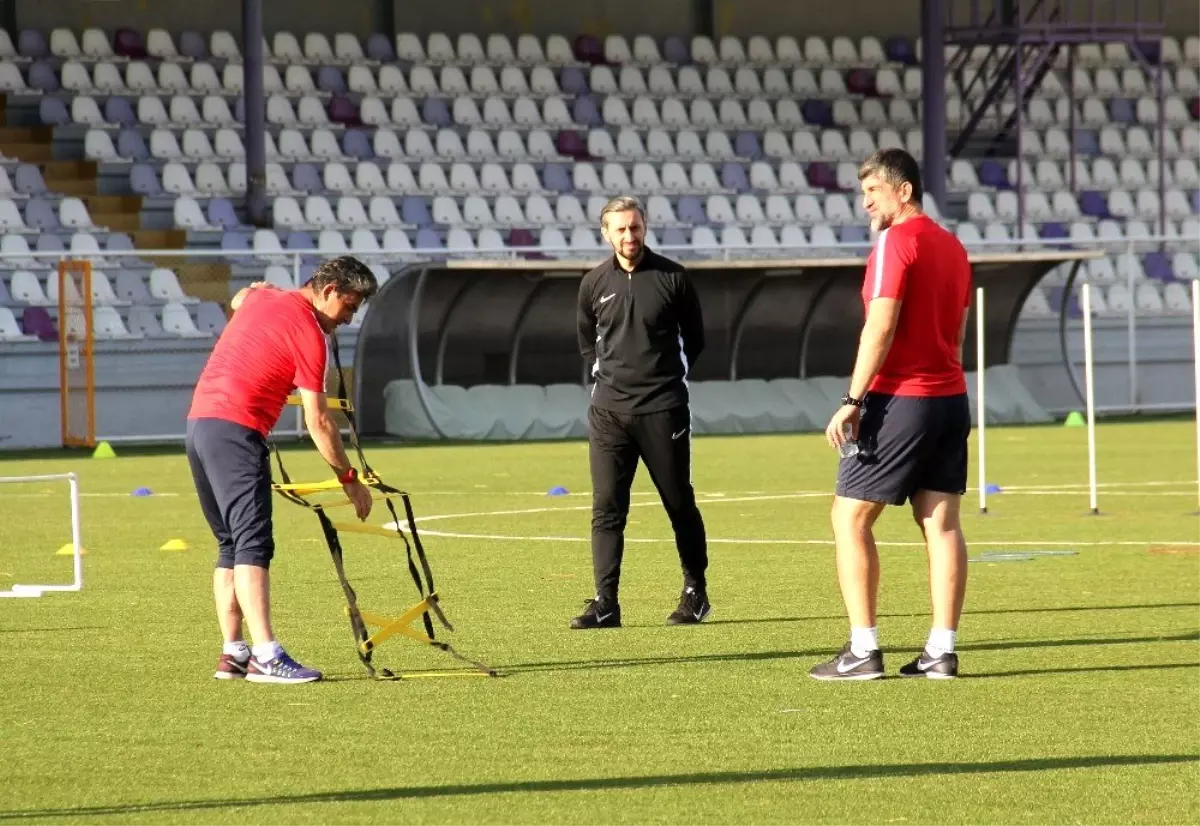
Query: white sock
column 941, row 641
column 267, row 651
column 236, row 649
column 863, row 641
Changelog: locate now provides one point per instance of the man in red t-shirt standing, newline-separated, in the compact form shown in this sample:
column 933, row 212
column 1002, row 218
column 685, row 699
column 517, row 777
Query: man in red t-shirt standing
column 904, row 423
column 275, row 341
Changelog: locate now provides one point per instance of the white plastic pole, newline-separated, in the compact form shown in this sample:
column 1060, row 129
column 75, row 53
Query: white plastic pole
column 1196, row 360
column 980, row 399
column 76, row 538
column 1089, row 379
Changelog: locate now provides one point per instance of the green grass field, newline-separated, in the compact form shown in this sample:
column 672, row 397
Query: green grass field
column 1078, row 702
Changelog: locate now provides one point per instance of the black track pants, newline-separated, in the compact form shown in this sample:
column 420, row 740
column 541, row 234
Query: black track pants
column 663, row 441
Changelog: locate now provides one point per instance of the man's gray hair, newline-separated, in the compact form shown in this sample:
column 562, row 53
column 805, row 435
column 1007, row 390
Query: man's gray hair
column 348, row 274
column 622, row 203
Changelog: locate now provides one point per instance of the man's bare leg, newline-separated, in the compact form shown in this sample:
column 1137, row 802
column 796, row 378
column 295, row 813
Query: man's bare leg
column 858, row 568
column 938, row 514
column 253, row 587
column 229, row 613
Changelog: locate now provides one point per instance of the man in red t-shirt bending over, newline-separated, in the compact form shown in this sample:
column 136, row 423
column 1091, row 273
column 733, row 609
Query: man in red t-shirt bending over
column 274, row 342
column 904, row 423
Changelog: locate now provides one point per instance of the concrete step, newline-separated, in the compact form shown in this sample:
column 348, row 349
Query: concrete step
column 117, row 221
column 27, row 152
column 160, row 239
column 26, row 134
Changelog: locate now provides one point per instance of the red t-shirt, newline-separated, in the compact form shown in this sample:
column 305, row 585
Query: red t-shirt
column 272, row 344
column 926, row 268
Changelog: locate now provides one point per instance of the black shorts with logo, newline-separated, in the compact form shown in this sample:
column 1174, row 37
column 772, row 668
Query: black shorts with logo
column 908, row 444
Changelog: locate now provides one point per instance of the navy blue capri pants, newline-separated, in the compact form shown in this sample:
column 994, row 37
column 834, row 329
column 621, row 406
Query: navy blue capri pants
column 232, row 470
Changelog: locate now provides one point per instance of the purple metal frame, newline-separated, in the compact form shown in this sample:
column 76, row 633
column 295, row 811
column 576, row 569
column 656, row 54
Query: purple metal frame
column 1022, row 53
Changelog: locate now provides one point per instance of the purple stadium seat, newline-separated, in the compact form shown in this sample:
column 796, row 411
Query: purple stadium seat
column 300, row 240
column 49, row 242
column 120, row 242
column 306, row 178
column 1152, row 49
column 128, row 43
column 42, row 76
column 571, row 144
column 690, row 210
column 239, row 109
column 234, row 242
column 35, row 321
column 1158, row 267
column 822, row 176
column 143, row 180
column 860, row 82
column 53, row 112
column 521, row 238
column 1087, row 142
column 331, row 79
column 673, row 237
column 192, row 44
column 1054, row 229
column 28, row 180
column 435, row 112
column 1094, row 204
column 900, row 50
column 1194, row 107
column 356, row 144
column 210, row 317
column 379, row 47
column 118, row 111
column 428, row 239
column 222, row 214
column 556, row 178
column 143, row 321
column 573, row 81
column 131, row 146
column 307, row 268
column 1121, row 111
column 675, row 50
column 587, row 48
column 817, row 112
column 32, row 43
column 415, row 210
column 342, row 110
column 992, row 174
column 747, row 145
column 854, row 234
column 1196, row 201
column 585, row 113
column 733, row 176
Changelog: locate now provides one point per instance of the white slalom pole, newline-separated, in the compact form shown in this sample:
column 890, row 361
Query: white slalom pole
column 1089, row 378
column 980, row 399
column 1196, row 359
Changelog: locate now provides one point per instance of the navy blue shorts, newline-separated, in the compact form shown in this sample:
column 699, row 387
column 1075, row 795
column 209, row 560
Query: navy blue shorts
column 232, row 471
column 908, row 444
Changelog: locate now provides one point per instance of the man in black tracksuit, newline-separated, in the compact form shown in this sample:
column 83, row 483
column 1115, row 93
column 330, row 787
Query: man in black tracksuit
column 640, row 328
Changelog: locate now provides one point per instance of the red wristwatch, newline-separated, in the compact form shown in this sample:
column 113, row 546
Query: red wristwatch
column 349, row 476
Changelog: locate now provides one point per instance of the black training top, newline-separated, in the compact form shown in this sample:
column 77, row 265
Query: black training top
column 640, row 333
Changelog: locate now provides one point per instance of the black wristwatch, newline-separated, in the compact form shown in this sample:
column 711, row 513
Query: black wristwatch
column 850, row 400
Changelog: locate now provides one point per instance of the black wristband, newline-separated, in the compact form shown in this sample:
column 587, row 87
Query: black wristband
column 850, row 400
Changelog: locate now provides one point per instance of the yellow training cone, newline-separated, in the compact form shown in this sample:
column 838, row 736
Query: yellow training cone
column 174, row 545
column 104, row 451
column 69, row 550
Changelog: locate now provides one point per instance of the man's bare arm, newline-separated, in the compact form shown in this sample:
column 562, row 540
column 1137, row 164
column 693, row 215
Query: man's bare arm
column 883, row 315
column 326, row 434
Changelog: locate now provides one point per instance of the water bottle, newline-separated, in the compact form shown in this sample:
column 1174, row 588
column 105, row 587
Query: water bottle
column 849, row 448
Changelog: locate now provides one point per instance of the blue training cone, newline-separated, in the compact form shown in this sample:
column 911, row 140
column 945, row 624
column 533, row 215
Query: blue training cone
column 992, row 488
column 142, row 492
column 557, row 490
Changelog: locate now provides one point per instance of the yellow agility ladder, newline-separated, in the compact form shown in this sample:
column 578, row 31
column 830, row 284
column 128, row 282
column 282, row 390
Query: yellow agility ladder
column 366, row 642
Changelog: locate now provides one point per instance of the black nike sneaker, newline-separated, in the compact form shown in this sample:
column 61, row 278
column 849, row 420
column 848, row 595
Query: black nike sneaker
column 849, row 666
column 693, row 608
column 941, row 667
column 598, row 615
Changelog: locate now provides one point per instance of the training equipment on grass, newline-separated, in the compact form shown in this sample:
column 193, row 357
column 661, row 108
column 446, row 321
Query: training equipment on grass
column 557, row 490
column 980, row 399
column 76, row 546
column 1089, row 380
column 104, row 451
column 174, row 545
column 366, row 642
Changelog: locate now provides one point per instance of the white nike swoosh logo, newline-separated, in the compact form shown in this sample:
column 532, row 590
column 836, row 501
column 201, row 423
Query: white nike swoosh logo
column 680, row 433
column 607, row 297
column 603, row 617
column 844, row 666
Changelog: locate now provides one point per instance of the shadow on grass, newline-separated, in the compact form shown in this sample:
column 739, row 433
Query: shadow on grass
column 970, row 613
column 1035, row 672
column 452, row 790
